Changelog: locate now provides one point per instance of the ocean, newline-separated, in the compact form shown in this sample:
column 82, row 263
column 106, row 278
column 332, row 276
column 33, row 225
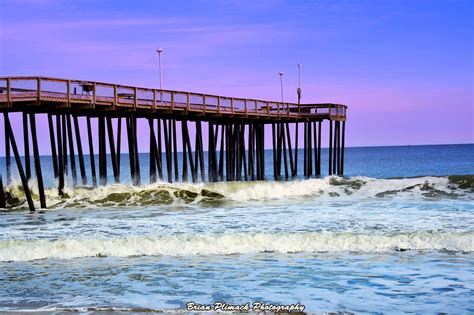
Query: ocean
column 396, row 234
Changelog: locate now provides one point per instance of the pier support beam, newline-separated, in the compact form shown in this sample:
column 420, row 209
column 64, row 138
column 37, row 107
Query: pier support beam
column 39, row 174
column 64, row 143
column 159, row 150
column 113, row 156
column 24, row 181
column 26, row 146
column 175, row 150
column 330, row 148
column 102, row 151
column 119, row 143
column 153, row 150
column 3, row 204
column 168, row 150
column 80, row 154
column 60, row 156
column 343, row 146
column 7, row 155
column 91, row 151
column 53, row 145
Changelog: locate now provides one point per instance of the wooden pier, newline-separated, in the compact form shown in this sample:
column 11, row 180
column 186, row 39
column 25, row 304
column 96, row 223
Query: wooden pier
column 236, row 133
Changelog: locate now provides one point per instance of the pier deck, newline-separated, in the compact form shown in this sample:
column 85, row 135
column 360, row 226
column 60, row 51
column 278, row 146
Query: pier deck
column 236, row 130
column 44, row 94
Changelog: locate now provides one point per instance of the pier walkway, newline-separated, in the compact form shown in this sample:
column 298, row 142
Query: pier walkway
column 235, row 151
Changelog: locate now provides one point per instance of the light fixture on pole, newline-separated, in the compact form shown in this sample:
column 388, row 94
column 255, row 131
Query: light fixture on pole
column 298, row 91
column 159, row 51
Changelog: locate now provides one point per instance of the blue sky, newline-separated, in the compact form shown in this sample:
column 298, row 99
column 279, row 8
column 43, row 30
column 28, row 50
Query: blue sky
column 404, row 68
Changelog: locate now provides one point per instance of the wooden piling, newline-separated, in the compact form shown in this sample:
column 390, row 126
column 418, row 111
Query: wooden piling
column 119, row 143
column 60, row 156
column 338, row 151
column 39, row 174
column 310, row 152
column 3, row 203
column 167, row 151
column 91, row 151
column 64, row 143
column 296, row 149
column 187, row 145
column 201, row 152
column 242, row 152
column 318, row 171
column 305, row 149
column 159, row 150
column 26, row 146
column 153, row 149
column 290, row 151
column 53, row 145
column 330, row 148
column 102, row 151
column 228, row 152
column 7, row 156
column 285, row 159
column 175, row 152
column 262, row 151
column 334, row 152
column 184, row 157
column 131, row 151
column 80, row 154
column 275, row 161
column 315, row 143
column 221, row 154
column 24, row 181
column 135, row 149
column 343, row 146
column 113, row 156
column 72, row 155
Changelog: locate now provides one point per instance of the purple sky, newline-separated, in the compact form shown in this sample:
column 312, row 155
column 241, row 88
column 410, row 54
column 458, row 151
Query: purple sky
column 404, row 68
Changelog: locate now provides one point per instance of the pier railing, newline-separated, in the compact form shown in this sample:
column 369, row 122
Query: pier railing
column 118, row 96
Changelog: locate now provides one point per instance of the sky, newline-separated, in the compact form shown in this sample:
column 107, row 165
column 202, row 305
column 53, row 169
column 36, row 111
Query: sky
column 404, row 68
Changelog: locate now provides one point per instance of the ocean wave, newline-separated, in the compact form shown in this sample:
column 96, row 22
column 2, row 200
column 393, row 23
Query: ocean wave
column 119, row 195
column 240, row 243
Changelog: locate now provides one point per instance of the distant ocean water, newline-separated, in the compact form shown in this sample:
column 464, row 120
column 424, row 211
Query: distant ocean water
column 396, row 233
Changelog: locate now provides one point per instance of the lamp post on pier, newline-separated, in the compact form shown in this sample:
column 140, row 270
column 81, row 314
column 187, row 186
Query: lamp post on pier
column 281, row 86
column 159, row 51
column 298, row 91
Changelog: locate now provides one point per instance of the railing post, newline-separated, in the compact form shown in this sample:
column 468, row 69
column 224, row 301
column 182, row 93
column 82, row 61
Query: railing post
column 219, row 104
column 188, row 101
column 172, row 100
column 204, row 102
column 38, row 88
column 115, row 95
column 68, row 93
column 245, row 107
column 9, row 97
column 93, row 94
column 278, row 107
column 154, row 99
column 288, row 109
column 232, row 105
column 268, row 109
column 135, row 98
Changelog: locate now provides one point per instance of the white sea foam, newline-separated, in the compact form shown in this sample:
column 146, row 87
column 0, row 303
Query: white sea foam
column 333, row 186
column 240, row 243
column 164, row 193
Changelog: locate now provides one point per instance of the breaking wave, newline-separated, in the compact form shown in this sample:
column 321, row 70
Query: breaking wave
column 240, row 243
column 118, row 195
